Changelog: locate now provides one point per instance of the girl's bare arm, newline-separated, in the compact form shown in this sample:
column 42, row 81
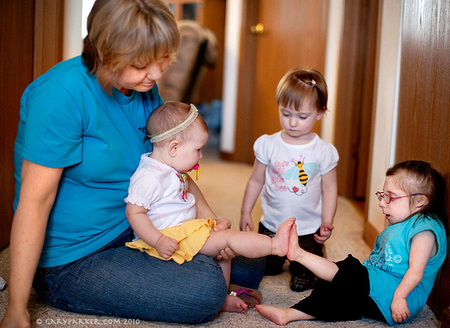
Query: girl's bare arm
column 423, row 246
column 252, row 191
column 329, row 205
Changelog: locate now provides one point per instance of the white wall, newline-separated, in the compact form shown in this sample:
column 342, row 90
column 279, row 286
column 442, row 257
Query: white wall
column 75, row 17
column 386, row 106
column 230, row 74
column 332, row 57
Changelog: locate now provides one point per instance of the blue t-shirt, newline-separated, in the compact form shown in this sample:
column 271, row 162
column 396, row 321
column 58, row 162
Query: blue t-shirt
column 389, row 261
column 67, row 120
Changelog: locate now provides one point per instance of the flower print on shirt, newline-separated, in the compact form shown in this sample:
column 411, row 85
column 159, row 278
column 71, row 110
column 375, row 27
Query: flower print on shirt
column 277, row 172
column 183, row 192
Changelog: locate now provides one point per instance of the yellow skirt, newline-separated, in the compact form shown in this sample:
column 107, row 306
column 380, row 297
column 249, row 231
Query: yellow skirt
column 191, row 237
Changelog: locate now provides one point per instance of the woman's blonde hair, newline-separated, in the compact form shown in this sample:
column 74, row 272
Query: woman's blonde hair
column 123, row 32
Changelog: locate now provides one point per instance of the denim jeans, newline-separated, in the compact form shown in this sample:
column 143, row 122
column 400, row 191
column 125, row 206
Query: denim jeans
column 247, row 272
column 124, row 282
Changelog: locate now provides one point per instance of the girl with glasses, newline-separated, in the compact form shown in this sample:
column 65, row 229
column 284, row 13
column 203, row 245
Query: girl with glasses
column 393, row 284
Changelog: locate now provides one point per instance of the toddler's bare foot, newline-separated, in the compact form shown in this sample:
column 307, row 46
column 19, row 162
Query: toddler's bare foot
column 234, row 304
column 280, row 243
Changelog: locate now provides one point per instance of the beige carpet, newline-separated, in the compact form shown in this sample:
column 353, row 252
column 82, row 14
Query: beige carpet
column 223, row 183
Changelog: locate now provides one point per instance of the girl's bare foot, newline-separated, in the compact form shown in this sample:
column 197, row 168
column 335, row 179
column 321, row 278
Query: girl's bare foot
column 277, row 315
column 280, row 243
column 234, row 304
column 281, row 316
column 294, row 250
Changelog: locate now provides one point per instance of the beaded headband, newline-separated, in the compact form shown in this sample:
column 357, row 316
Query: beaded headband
column 193, row 113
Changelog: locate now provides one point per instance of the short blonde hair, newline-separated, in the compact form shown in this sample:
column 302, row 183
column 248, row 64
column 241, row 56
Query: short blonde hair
column 299, row 85
column 121, row 32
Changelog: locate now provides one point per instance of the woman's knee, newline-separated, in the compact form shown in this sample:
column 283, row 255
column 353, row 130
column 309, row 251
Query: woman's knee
column 204, row 289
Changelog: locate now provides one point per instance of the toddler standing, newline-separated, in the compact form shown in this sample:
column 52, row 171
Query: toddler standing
column 295, row 173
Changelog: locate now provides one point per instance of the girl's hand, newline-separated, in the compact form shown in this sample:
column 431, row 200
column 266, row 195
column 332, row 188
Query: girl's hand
column 324, row 233
column 399, row 309
column 166, row 246
column 246, row 221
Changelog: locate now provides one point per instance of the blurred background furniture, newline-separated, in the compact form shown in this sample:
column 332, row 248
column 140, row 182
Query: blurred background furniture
column 198, row 50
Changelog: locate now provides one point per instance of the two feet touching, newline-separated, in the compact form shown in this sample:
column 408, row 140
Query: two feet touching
column 281, row 241
column 285, row 242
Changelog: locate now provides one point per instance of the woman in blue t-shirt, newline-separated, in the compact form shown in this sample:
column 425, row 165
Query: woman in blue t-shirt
column 80, row 137
column 393, row 284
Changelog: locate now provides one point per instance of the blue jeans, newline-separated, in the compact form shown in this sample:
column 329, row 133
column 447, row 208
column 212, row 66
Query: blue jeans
column 124, row 282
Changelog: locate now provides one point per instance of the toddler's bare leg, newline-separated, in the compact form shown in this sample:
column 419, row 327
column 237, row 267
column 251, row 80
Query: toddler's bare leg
column 282, row 316
column 321, row 267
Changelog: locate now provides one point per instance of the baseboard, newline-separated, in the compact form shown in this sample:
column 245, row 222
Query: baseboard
column 369, row 234
column 445, row 318
column 226, row 156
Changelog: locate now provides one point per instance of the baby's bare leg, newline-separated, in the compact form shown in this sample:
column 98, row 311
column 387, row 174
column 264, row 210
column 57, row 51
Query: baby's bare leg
column 249, row 244
column 321, row 267
column 282, row 316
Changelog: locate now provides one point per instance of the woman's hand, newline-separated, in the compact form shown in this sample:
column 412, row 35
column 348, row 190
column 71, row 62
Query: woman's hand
column 15, row 317
column 227, row 253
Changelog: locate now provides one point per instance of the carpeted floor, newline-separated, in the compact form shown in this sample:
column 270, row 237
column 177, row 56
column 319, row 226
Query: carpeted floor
column 223, row 184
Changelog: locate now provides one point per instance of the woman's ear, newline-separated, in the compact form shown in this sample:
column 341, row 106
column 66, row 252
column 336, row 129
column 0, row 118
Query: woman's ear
column 173, row 147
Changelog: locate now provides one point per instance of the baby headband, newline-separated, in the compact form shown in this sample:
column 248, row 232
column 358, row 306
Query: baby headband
column 193, row 113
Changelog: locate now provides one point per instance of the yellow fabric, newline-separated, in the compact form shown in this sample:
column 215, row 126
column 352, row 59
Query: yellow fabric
column 191, row 237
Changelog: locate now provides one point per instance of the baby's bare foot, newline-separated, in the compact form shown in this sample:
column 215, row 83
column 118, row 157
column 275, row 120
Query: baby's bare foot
column 234, row 304
column 280, row 243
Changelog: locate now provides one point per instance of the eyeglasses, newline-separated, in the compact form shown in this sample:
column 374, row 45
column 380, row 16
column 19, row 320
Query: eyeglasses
column 388, row 199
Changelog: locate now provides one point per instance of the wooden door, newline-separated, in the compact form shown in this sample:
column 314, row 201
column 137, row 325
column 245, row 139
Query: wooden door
column 16, row 67
column 355, row 94
column 424, row 107
column 294, row 35
column 31, row 43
